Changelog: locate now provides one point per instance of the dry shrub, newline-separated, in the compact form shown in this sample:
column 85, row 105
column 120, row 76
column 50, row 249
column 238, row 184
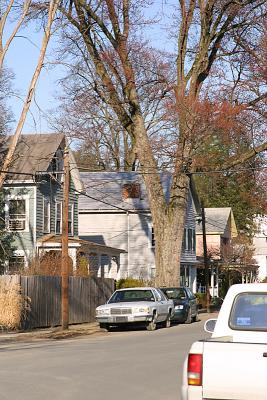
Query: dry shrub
column 82, row 266
column 13, row 306
column 49, row 264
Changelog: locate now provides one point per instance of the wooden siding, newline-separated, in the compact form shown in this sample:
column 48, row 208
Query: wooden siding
column 44, row 293
column 54, row 193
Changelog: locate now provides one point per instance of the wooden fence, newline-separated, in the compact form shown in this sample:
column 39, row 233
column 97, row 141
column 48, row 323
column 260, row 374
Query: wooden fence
column 44, row 294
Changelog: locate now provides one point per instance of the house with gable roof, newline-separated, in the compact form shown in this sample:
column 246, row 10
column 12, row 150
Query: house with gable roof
column 33, row 192
column 115, row 212
column 220, row 230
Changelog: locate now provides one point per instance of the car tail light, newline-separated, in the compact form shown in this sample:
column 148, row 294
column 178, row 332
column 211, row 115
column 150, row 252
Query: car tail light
column 194, row 369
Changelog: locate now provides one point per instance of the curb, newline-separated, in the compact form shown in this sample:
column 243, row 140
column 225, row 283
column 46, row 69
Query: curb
column 51, row 333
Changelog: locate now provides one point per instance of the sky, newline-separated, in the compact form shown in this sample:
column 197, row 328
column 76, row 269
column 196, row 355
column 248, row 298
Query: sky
column 22, row 58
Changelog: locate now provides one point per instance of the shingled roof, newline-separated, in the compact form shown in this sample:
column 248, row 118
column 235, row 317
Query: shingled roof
column 218, row 220
column 34, row 153
column 104, row 190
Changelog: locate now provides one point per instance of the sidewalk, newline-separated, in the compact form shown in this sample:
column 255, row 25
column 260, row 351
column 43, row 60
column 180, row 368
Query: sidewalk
column 74, row 331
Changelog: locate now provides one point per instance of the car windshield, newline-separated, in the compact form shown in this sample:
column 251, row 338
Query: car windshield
column 249, row 312
column 131, row 295
column 174, row 293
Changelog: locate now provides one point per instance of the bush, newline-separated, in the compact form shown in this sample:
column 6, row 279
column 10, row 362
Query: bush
column 13, row 305
column 130, row 282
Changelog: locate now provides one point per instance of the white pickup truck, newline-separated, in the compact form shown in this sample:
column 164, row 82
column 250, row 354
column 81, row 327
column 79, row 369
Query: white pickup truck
column 232, row 365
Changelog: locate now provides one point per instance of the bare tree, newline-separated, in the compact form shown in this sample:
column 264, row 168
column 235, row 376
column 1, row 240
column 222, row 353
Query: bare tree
column 14, row 140
column 6, row 8
column 207, row 42
column 85, row 115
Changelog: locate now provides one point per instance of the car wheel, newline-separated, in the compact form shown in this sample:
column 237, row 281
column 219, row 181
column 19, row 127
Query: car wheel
column 195, row 318
column 189, row 317
column 167, row 323
column 152, row 325
column 105, row 326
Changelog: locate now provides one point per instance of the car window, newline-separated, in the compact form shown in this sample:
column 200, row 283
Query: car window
column 131, row 295
column 190, row 294
column 174, row 293
column 249, row 312
column 157, row 295
column 162, row 295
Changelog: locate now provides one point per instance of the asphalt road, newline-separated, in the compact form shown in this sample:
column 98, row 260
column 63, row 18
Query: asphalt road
column 131, row 365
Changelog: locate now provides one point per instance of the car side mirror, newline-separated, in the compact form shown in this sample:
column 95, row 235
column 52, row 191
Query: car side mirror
column 210, row 325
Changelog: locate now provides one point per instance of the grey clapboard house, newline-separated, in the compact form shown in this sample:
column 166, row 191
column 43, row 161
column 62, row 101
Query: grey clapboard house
column 33, row 211
column 115, row 212
column 34, row 194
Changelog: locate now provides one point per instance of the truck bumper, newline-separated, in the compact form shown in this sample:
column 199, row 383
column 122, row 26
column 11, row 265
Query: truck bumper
column 192, row 392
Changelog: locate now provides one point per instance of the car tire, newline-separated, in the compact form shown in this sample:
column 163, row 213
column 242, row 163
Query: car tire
column 189, row 317
column 152, row 325
column 167, row 323
column 195, row 318
column 105, row 326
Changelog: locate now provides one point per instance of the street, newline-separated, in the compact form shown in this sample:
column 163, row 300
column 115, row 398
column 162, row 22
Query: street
column 118, row 365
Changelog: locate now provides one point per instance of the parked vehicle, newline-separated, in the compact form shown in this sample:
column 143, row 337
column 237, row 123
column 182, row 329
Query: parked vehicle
column 232, row 364
column 185, row 304
column 144, row 305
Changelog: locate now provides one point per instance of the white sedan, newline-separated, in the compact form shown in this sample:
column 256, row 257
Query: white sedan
column 144, row 305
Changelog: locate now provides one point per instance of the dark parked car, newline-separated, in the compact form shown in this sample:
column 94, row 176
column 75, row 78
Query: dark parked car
column 185, row 304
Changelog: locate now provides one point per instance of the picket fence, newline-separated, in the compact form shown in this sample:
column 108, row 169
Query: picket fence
column 44, row 296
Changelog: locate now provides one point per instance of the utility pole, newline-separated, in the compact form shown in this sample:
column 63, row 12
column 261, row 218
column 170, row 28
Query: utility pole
column 206, row 260
column 65, row 244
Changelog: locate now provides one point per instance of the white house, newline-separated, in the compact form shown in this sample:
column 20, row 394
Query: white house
column 260, row 245
column 115, row 212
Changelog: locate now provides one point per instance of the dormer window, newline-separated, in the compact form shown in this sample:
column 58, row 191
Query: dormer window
column 131, row 191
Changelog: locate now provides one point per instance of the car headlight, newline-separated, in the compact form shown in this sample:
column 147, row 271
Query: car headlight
column 180, row 307
column 141, row 310
column 103, row 311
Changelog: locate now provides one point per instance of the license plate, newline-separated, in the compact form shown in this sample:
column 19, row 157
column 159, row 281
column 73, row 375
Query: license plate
column 121, row 319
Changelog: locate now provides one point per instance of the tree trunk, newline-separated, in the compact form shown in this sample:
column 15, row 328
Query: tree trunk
column 168, row 238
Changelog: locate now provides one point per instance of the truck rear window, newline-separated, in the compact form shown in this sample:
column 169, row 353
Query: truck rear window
column 249, row 312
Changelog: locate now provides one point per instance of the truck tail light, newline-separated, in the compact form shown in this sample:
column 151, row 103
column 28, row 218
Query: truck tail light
column 194, row 370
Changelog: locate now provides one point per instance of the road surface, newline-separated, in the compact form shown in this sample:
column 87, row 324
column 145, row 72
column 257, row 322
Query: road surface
column 118, row 365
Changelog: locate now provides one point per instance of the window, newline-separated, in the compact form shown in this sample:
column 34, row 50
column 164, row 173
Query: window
column 70, row 220
column 58, row 217
column 249, row 312
column 152, row 237
column 46, row 216
column 16, row 264
column 57, row 165
column 189, row 240
column 16, row 214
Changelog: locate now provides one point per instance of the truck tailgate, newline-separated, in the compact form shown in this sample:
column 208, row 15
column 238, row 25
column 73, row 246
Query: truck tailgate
column 236, row 371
